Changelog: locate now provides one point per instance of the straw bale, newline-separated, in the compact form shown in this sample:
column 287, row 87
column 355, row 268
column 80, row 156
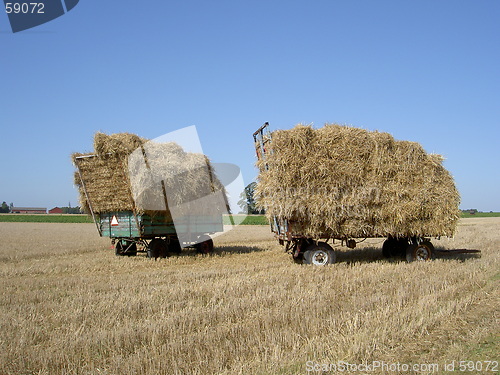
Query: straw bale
column 187, row 177
column 125, row 173
column 106, row 183
column 345, row 182
column 119, row 143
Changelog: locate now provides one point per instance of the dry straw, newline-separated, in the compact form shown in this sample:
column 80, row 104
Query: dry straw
column 125, row 173
column 345, row 182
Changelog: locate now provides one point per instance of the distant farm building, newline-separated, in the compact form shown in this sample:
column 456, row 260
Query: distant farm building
column 56, row 210
column 29, row 210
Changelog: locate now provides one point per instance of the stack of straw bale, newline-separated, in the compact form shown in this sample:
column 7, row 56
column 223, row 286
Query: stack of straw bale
column 345, row 182
column 125, row 170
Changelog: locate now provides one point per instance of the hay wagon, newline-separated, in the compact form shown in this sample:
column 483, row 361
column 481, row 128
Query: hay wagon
column 105, row 193
column 311, row 246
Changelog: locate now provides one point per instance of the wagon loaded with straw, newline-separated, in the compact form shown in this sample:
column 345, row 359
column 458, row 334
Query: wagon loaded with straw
column 150, row 196
column 345, row 183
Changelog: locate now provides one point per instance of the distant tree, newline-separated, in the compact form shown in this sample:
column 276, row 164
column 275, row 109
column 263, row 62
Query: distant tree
column 247, row 200
column 4, row 208
column 71, row 210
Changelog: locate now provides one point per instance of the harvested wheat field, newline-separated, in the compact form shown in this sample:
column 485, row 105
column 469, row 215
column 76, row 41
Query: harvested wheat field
column 69, row 306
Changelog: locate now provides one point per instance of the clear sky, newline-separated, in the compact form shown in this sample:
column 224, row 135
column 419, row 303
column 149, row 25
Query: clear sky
column 425, row 71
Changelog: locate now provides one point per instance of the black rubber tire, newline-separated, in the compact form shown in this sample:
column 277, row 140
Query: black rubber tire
column 174, row 247
column 206, row 246
column 423, row 251
column 394, row 247
column 119, row 248
column 319, row 254
column 157, row 248
column 129, row 249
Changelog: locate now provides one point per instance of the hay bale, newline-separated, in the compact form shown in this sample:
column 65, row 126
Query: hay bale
column 125, row 173
column 346, row 182
column 106, row 183
column 186, row 177
column 119, row 143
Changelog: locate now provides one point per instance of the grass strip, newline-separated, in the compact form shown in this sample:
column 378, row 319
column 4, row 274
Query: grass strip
column 249, row 220
column 480, row 214
column 20, row 218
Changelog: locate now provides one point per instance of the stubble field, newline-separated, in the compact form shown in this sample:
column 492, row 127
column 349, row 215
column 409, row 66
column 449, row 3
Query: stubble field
column 69, row 306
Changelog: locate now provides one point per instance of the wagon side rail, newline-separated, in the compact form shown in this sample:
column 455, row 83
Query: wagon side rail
column 85, row 191
column 262, row 138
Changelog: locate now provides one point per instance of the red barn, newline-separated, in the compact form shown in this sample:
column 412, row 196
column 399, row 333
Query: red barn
column 56, row 210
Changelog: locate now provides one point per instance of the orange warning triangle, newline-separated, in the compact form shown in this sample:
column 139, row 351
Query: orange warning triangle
column 114, row 221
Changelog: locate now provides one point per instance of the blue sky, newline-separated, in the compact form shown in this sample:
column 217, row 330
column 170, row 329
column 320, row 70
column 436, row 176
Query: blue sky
column 425, row 71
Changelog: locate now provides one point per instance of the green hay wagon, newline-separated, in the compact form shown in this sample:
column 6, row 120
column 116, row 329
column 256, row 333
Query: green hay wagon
column 155, row 233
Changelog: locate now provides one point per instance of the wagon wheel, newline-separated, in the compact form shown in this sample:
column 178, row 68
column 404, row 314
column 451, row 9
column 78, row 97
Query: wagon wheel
column 420, row 252
column 319, row 254
column 174, row 246
column 157, row 248
column 129, row 249
column 393, row 247
column 206, row 246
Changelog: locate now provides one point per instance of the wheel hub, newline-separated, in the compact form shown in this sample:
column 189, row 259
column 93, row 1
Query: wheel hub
column 422, row 253
column 320, row 258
